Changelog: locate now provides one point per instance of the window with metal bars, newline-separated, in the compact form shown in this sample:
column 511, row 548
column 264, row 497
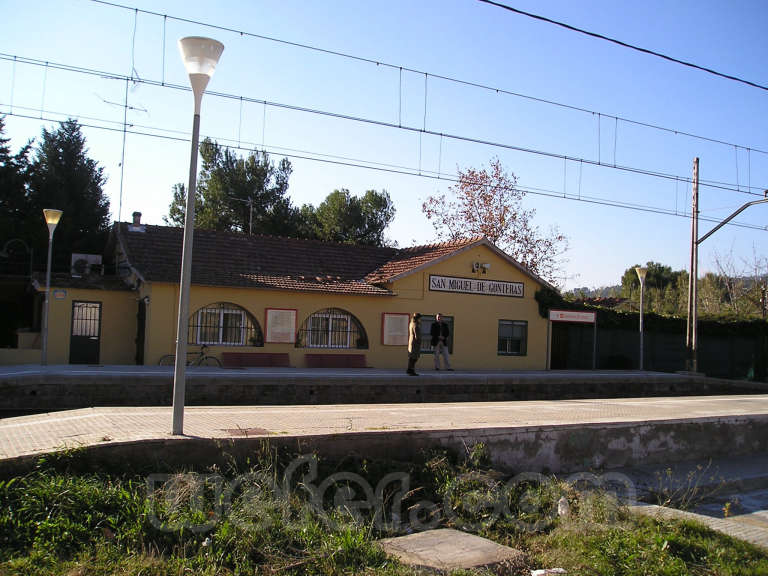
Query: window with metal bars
column 86, row 319
column 331, row 328
column 224, row 324
column 513, row 338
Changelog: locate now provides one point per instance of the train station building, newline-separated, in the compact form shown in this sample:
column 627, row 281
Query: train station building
column 272, row 301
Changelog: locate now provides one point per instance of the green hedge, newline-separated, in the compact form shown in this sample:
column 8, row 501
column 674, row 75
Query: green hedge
column 550, row 299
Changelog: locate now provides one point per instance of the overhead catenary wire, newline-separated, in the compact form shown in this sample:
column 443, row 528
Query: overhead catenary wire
column 382, row 123
column 626, row 45
column 125, row 113
column 405, row 171
column 463, row 82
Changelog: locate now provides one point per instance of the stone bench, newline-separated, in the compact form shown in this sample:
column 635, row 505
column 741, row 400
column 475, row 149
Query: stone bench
column 255, row 359
column 335, row 361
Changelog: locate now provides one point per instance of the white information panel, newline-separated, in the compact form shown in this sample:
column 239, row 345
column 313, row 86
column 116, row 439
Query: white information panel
column 281, row 325
column 394, row 329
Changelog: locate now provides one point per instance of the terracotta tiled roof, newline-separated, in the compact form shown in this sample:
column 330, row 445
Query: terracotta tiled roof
column 270, row 262
column 409, row 259
column 228, row 259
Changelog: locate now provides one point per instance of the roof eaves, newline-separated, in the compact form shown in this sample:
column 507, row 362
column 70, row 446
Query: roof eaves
column 483, row 241
column 437, row 260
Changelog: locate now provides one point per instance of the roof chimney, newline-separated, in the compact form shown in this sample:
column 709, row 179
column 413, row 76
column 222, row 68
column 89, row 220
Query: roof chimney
column 136, row 226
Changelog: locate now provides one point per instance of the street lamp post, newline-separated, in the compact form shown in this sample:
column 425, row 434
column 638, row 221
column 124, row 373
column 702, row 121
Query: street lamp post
column 641, row 272
column 200, row 57
column 52, row 218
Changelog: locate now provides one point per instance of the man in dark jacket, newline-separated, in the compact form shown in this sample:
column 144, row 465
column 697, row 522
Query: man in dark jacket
column 439, row 332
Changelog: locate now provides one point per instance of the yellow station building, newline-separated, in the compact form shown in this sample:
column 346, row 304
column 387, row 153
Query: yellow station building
column 270, row 301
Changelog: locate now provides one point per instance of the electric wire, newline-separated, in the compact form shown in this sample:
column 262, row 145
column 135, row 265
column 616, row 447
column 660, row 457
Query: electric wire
column 625, row 45
column 414, row 172
column 385, row 124
column 446, row 78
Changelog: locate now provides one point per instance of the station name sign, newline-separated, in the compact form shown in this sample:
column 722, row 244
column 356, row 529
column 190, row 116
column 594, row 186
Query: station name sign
column 476, row 286
column 572, row 316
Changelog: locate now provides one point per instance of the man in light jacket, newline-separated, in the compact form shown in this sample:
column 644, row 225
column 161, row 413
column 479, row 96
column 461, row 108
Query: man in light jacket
column 414, row 343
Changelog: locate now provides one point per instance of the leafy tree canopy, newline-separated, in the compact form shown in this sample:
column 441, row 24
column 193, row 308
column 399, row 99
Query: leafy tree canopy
column 62, row 176
column 345, row 218
column 487, row 202
column 658, row 276
column 14, row 200
column 238, row 194
column 250, row 195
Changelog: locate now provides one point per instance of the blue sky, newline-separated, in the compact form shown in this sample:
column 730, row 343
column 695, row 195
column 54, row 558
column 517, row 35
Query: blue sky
column 461, row 39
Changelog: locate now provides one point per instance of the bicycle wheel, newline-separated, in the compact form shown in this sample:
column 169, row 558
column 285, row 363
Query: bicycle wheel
column 167, row 360
column 210, row 361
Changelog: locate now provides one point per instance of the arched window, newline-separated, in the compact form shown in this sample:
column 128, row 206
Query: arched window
column 224, row 324
column 331, row 328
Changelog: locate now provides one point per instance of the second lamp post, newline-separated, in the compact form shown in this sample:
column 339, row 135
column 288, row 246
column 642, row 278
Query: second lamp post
column 641, row 272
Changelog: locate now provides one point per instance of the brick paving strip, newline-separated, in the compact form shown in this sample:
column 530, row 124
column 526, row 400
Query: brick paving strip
column 42, row 433
column 752, row 528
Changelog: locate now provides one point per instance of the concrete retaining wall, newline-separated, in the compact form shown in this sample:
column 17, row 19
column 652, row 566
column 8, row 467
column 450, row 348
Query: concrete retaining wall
column 50, row 391
column 547, row 449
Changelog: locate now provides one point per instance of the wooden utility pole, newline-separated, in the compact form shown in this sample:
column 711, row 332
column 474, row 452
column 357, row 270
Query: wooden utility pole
column 691, row 360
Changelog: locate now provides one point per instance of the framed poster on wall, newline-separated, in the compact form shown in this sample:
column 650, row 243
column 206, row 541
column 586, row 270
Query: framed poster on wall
column 394, row 329
column 281, row 325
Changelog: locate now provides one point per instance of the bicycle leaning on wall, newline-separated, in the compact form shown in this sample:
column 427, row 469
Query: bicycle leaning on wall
column 201, row 358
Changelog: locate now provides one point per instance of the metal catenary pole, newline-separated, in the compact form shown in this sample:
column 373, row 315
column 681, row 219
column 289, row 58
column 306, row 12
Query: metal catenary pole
column 690, row 337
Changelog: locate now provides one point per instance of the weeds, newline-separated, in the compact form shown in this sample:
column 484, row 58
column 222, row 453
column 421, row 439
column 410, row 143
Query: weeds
column 699, row 484
column 276, row 515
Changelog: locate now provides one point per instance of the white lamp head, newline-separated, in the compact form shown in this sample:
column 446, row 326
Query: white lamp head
column 52, row 217
column 200, row 57
column 641, row 272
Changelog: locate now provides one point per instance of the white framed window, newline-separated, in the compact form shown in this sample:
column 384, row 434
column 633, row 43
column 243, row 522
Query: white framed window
column 332, row 328
column 329, row 331
column 513, row 338
column 225, row 325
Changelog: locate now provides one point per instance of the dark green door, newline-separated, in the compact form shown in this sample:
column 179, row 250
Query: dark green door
column 85, row 340
column 558, row 359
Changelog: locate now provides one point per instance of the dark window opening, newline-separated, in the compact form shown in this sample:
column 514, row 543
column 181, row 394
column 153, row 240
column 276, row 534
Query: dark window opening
column 513, row 338
column 426, row 334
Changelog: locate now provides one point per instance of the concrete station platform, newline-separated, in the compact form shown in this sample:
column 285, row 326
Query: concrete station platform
column 542, row 436
column 638, row 437
column 26, row 389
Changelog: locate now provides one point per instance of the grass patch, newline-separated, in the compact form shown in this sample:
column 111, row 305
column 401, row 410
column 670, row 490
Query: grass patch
column 282, row 515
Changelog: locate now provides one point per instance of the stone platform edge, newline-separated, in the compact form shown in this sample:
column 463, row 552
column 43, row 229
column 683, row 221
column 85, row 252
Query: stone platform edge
column 552, row 448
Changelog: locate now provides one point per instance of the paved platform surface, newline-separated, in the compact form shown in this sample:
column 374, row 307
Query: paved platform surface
column 40, row 433
column 752, row 528
column 709, row 488
column 107, row 372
